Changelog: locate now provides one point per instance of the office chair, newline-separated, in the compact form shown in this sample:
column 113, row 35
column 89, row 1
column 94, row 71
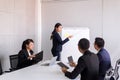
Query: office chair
column 109, row 74
column 13, row 62
column 1, row 69
column 116, row 73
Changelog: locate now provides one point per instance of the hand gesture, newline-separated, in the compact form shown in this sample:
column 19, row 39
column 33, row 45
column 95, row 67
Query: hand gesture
column 72, row 64
column 64, row 70
column 70, row 36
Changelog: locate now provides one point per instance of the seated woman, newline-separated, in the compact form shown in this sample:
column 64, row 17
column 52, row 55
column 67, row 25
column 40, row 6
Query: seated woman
column 25, row 56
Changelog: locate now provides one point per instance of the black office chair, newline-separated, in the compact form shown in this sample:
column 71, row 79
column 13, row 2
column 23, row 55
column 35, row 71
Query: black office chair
column 116, row 73
column 1, row 69
column 109, row 74
column 13, row 62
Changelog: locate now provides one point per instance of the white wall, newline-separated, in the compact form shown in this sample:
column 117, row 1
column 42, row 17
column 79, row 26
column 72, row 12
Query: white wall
column 38, row 25
column 17, row 23
column 111, row 27
column 86, row 13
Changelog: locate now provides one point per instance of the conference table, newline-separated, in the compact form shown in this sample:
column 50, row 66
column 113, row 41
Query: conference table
column 36, row 72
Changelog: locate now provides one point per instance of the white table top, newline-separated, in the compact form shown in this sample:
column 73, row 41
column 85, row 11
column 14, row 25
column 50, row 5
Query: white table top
column 36, row 72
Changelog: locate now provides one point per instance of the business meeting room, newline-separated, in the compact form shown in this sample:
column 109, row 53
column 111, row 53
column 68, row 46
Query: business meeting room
column 59, row 39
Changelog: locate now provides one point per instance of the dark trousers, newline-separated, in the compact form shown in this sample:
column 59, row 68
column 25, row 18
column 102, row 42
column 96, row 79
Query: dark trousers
column 101, row 77
column 56, row 53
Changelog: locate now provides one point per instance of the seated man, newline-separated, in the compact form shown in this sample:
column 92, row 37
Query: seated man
column 104, row 57
column 88, row 63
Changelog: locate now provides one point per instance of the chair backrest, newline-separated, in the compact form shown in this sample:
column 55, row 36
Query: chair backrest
column 13, row 61
column 109, row 73
column 116, row 73
column 118, row 63
column 1, row 69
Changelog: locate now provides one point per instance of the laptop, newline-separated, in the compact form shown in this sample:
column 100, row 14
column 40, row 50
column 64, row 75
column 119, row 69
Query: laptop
column 62, row 65
column 38, row 57
column 52, row 62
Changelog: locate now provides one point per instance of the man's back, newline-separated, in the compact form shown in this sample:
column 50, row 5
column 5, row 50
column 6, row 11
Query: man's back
column 105, row 63
column 88, row 67
column 92, row 66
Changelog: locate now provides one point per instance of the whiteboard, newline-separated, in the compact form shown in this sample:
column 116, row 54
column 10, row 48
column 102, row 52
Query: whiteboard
column 71, row 48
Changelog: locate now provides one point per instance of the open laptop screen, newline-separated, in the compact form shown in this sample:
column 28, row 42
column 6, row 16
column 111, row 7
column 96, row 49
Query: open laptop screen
column 39, row 57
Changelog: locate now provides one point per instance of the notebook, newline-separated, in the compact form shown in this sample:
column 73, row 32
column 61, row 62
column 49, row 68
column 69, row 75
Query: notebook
column 62, row 65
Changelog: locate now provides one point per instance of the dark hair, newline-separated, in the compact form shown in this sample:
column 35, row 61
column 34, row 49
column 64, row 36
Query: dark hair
column 26, row 42
column 56, row 26
column 99, row 42
column 84, row 44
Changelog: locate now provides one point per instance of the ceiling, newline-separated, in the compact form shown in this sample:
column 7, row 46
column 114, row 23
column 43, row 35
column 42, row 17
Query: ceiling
column 62, row 0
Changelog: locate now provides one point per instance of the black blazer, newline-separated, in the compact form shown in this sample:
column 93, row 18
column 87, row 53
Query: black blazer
column 23, row 60
column 57, row 42
column 88, row 67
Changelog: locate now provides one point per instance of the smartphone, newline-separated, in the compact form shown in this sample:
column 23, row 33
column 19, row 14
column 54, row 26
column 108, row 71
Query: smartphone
column 70, row 59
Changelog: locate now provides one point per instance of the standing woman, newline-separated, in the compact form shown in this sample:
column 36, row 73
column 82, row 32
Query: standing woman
column 57, row 41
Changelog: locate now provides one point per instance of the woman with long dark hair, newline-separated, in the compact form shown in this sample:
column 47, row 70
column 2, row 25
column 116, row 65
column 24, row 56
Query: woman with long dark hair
column 25, row 56
column 57, row 41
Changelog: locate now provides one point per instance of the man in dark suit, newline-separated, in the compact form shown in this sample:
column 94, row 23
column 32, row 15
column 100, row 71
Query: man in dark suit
column 104, row 57
column 88, row 64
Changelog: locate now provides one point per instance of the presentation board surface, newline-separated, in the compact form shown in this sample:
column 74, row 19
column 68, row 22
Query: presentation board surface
column 71, row 48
